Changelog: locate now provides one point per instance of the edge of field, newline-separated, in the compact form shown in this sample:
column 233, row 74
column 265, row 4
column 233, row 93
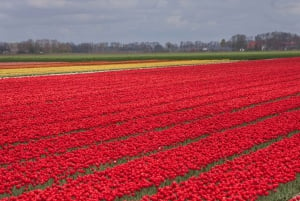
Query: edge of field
column 22, row 65
column 75, row 68
column 75, row 57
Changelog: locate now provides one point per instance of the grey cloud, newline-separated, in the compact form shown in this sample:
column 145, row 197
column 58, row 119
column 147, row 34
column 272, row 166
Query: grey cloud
column 144, row 20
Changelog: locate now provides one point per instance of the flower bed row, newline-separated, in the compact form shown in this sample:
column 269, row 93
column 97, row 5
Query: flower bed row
column 110, row 135
column 152, row 170
column 93, row 105
column 84, row 139
column 245, row 178
column 48, row 106
column 44, row 130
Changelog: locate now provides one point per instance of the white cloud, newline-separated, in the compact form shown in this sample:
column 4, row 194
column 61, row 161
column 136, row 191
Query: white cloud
column 288, row 7
column 293, row 8
column 6, row 5
column 187, row 3
column 81, row 17
column 123, row 3
column 3, row 16
column 176, row 20
column 212, row 22
column 161, row 3
column 47, row 3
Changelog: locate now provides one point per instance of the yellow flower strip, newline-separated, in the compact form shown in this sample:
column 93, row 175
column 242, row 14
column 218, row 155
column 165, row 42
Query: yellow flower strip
column 91, row 68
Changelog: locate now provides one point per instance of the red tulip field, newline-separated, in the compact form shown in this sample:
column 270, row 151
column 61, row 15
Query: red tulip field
column 227, row 131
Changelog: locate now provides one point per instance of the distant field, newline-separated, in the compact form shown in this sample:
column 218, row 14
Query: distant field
column 149, row 56
column 226, row 131
column 13, row 69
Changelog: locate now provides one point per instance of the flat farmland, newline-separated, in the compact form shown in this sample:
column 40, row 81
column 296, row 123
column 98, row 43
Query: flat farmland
column 73, row 57
column 221, row 131
column 13, row 69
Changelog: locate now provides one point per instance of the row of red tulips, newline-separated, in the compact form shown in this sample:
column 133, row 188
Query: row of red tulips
column 152, row 170
column 104, row 97
column 245, row 178
column 296, row 198
column 94, row 94
column 46, row 147
column 42, row 124
column 95, row 98
column 100, row 154
column 117, row 80
column 44, row 130
column 57, row 126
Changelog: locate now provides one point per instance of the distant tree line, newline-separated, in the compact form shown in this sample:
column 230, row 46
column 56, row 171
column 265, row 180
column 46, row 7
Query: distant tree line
column 238, row 42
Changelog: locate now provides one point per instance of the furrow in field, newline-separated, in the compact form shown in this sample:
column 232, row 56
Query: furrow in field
column 155, row 169
column 38, row 112
column 113, row 82
column 121, row 84
column 84, row 140
column 84, row 124
column 109, row 160
column 59, row 166
column 167, row 117
column 245, row 178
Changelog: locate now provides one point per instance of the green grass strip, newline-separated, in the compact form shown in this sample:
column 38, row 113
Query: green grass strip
column 284, row 192
column 253, row 55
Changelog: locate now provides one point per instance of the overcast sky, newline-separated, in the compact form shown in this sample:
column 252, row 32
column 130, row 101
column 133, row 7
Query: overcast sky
column 144, row 20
